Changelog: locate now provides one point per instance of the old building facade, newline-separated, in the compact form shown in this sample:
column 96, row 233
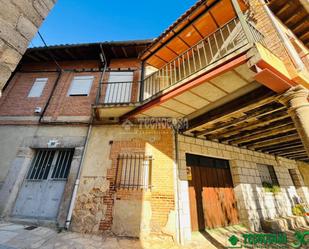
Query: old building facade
column 206, row 126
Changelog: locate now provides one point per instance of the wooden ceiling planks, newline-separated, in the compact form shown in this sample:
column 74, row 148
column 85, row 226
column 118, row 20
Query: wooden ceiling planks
column 201, row 23
column 294, row 15
column 263, row 125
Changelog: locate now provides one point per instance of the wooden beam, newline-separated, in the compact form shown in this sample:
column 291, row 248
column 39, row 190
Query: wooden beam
column 245, row 118
column 257, row 98
column 274, row 131
column 285, row 149
column 288, row 138
column 124, row 52
column 292, row 152
column 258, row 123
column 280, row 146
column 248, row 133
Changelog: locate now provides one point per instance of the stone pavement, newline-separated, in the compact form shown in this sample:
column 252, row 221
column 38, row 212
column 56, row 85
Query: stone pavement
column 15, row 236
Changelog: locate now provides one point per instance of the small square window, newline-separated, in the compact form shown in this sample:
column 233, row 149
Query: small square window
column 81, row 86
column 133, row 171
column 268, row 175
column 37, row 87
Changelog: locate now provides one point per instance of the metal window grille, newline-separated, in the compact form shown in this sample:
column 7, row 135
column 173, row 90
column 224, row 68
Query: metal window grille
column 133, row 171
column 267, row 174
column 62, row 165
column 50, row 164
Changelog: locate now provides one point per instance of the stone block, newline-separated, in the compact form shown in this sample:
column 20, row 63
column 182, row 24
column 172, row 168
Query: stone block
column 9, row 56
column 275, row 225
column 26, row 7
column 5, row 73
column 26, row 27
column 12, row 36
column 9, row 13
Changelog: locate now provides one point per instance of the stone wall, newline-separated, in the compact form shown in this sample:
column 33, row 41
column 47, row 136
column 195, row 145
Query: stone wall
column 304, row 171
column 19, row 22
column 254, row 203
column 101, row 208
column 17, row 151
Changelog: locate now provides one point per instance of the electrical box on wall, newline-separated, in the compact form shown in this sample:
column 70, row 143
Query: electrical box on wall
column 38, row 110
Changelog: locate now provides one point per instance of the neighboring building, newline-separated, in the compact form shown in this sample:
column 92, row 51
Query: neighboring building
column 19, row 21
column 196, row 132
column 45, row 113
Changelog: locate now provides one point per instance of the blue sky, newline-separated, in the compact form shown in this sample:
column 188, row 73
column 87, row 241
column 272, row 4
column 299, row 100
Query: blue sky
column 82, row 21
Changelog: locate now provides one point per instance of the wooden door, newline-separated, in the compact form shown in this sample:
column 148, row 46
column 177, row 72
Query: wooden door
column 212, row 199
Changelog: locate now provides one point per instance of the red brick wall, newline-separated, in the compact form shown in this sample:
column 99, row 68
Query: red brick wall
column 272, row 39
column 15, row 102
column 161, row 194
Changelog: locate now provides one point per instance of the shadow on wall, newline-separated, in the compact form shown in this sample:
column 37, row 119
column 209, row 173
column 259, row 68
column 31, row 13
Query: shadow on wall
column 262, row 205
column 138, row 201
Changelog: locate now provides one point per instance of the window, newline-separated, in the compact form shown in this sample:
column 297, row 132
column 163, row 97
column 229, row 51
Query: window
column 295, row 178
column 81, row 86
column 133, row 171
column 268, row 175
column 50, row 164
column 119, row 87
column 37, row 87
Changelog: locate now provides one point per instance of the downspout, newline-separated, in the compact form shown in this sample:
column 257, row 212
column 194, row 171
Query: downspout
column 179, row 236
column 77, row 181
column 291, row 50
column 51, row 95
column 76, row 185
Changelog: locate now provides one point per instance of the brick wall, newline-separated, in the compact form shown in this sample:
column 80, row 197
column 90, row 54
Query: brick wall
column 15, row 101
column 19, row 21
column 272, row 39
column 125, row 212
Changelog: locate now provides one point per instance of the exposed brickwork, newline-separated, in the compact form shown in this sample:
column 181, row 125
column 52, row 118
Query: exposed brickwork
column 272, row 39
column 161, row 195
column 15, row 100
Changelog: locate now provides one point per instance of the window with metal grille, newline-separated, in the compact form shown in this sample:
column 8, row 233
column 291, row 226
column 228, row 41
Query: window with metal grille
column 133, row 171
column 50, row 164
column 268, row 175
column 295, row 178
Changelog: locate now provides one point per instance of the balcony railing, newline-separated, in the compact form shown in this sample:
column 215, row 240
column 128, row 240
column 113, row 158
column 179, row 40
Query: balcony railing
column 119, row 92
column 226, row 40
column 211, row 49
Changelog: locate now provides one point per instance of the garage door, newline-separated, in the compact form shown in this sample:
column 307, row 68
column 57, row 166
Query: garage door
column 212, row 199
column 42, row 189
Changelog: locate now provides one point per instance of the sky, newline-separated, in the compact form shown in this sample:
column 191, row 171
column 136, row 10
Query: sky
column 83, row 21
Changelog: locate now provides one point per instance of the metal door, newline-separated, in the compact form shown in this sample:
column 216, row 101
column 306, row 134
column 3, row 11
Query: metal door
column 42, row 189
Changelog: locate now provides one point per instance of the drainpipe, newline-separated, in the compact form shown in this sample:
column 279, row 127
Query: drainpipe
column 179, row 236
column 76, row 185
column 77, row 181
column 291, row 50
column 141, row 94
column 51, row 94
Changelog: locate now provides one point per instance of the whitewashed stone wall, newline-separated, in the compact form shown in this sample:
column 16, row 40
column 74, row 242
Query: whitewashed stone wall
column 19, row 22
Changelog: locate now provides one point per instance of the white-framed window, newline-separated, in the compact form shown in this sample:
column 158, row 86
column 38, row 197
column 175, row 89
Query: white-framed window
column 81, row 86
column 37, row 87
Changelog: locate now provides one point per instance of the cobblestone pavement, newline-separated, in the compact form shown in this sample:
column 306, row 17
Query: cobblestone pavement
column 15, row 236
